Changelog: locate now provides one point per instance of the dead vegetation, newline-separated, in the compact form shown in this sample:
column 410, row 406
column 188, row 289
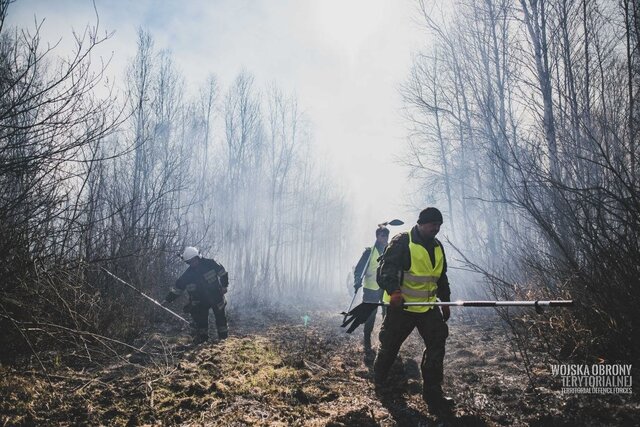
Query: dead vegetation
column 275, row 371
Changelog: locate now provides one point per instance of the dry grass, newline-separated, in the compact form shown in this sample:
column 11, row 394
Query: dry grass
column 280, row 373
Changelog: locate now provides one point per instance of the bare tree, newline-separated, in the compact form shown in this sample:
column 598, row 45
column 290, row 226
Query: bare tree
column 543, row 95
column 51, row 128
column 87, row 182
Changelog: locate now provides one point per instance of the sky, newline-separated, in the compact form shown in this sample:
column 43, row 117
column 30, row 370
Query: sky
column 344, row 59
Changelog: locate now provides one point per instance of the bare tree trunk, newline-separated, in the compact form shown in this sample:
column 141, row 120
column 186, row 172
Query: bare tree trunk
column 536, row 22
column 631, row 20
column 441, row 142
column 140, row 79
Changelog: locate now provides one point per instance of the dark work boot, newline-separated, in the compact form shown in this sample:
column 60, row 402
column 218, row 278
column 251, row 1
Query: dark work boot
column 435, row 399
column 200, row 335
column 223, row 332
column 200, row 338
column 369, row 353
column 369, row 356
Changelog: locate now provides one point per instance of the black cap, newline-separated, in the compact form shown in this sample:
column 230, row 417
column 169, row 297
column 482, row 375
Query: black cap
column 430, row 215
column 382, row 230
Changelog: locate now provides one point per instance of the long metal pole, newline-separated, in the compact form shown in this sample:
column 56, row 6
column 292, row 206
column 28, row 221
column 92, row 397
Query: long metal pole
column 145, row 295
column 360, row 313
column 550, row 303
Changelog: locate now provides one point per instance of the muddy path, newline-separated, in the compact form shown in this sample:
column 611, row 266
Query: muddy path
column 276, row 371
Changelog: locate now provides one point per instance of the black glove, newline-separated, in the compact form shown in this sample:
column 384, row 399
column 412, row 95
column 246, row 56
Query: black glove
column 169, row 298
column 187, row 309
column 357, row 285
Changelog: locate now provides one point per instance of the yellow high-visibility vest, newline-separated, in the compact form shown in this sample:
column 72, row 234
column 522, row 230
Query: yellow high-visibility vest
column 370, row 275
column 420, row 283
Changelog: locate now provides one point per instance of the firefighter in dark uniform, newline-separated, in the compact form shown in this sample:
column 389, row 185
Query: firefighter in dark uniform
column 365, row 271
column 414, row 269
column 206, row 282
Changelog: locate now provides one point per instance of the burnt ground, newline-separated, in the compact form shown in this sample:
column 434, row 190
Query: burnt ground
column 275, row 371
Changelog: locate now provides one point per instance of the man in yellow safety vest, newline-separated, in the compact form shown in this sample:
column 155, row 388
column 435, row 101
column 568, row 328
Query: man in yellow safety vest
column 365, row 277
column 413, row 269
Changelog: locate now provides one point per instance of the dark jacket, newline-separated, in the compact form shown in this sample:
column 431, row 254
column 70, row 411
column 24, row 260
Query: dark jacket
column 204, row 282
column 397, row 259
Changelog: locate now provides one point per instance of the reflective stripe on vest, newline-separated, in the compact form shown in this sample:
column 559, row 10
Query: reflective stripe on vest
column 420, row 283
column 416, row 293
column 370, row 275
column 421, row 279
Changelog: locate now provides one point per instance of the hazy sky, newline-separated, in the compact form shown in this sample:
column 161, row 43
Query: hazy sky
column 345, row 60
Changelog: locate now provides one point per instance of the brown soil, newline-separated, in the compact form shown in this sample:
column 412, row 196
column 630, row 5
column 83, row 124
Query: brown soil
column 275, row 371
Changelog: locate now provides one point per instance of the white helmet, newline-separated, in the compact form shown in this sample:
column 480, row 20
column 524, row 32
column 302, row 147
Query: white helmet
column 189, row 253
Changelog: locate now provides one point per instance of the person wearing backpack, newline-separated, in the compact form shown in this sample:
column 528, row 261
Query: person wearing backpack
column 413, row 268
column 206, row 282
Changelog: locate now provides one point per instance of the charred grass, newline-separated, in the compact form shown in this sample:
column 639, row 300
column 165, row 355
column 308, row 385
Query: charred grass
column 276, row 371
